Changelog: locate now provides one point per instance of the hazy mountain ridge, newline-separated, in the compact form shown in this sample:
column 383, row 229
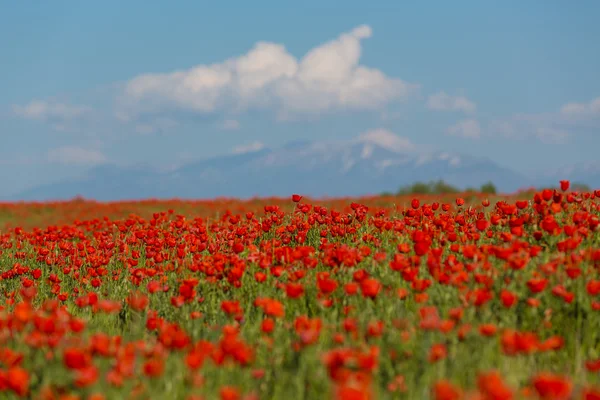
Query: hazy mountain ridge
column 318, row 169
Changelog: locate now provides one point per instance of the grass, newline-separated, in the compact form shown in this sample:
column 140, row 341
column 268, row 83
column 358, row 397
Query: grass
column 352, row 298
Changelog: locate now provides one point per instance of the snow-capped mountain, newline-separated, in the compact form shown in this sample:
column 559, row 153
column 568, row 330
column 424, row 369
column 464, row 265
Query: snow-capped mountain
column 369, row 164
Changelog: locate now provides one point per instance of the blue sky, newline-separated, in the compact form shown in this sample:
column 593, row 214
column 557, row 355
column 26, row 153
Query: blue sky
column 149, row 82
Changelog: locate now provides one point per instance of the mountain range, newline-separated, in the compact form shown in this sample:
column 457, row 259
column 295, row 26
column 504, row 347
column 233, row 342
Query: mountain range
column 363, row 166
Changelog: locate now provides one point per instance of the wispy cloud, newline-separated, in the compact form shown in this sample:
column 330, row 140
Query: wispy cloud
column 328, row 78
column 47, row 110
column 60, row 116
column 154, row 125
column 551, row 127
column 467, row 128
column 551, row 135
column 74, row 155
column 386, row 139
column 229, row 125
column 442, row 101
column 248, row 148
column 590, row 109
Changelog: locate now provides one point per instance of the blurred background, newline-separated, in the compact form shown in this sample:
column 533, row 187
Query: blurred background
column 128, row 100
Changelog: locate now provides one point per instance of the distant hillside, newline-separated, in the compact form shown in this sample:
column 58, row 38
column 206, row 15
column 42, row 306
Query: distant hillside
column 318, row 169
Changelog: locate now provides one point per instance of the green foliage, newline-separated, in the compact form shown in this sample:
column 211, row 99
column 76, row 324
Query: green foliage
column 574, row 187
column 433, row 187
column 580, row 187
column 416, row 188
column 440, row 187
column 488, row 188
column 379, row 329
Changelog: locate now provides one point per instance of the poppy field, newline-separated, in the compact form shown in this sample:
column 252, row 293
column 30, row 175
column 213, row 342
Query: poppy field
column 393, row 297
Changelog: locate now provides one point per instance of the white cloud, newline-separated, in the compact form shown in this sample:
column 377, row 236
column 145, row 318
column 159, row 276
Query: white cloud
column 551, row 127
column 230, row 125
column 582, row 109
column 547, row 128
column 386, row 139
column 573, row 109
column 328, row 78
column 444, row 102
column 44, row 111
column 73, row 155
column 467, row 128
column 248, row 148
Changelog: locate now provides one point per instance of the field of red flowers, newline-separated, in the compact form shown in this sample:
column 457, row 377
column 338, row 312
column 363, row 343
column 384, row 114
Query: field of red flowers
column 387, row 297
